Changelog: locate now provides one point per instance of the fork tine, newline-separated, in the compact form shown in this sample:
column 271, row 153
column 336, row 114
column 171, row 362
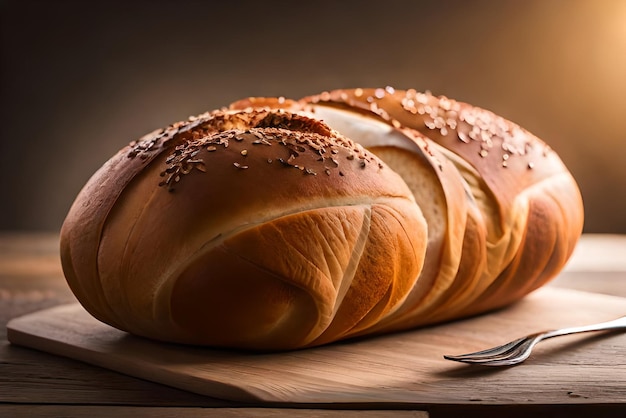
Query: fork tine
column 490, row 352
column 505, row 355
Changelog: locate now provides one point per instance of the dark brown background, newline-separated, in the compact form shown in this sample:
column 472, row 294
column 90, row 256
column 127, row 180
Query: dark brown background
column 81, row 79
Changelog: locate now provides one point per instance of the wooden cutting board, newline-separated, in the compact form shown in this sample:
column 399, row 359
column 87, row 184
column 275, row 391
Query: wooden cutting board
column 405, row 368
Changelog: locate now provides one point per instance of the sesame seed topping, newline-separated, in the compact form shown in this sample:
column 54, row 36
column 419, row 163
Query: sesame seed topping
column 444, row 103
column 409, row 105
column 422, row 98
column 483, row 153
column 379, row 93
column 311, row 145
column 358, row 92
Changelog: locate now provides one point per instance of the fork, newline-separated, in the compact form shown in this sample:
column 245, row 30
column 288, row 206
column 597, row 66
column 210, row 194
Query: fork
column 519, row 350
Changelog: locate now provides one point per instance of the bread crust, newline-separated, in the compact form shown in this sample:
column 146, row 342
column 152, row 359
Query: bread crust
column 530, row 212
column 279, row 224
column 247, row 230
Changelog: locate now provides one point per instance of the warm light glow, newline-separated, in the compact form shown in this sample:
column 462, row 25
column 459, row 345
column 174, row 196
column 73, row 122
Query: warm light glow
column 611, row 29
column 616, row 23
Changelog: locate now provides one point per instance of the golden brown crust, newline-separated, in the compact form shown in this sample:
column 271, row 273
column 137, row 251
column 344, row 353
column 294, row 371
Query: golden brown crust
column 529, row 215
column 499, row 149
column 245, row 205
column 278, row 224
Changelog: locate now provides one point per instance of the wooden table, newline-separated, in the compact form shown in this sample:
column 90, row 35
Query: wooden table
column 33, row 383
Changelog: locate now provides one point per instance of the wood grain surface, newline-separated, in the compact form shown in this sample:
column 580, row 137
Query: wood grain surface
column 66, row 411
column 36, row 383
column 402, row 368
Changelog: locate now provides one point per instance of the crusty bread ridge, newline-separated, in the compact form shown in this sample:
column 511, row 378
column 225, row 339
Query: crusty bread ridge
column 278, row 224
column 530, row 212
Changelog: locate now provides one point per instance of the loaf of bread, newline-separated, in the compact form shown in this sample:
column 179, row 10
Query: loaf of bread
column 278, row 224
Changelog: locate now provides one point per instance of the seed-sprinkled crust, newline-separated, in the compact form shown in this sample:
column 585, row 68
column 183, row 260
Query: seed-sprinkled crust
column 487, row 141
column 519, row 183
column 195, row 215
column 214, row 131
column 276, row 224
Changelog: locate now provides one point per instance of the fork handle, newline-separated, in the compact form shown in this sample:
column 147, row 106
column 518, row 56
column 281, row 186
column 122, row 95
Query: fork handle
column 614, row 324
